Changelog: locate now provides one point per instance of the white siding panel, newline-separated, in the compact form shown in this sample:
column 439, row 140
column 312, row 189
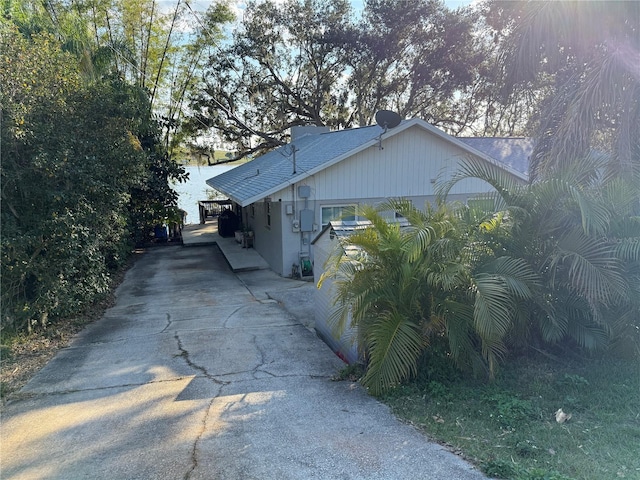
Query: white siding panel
column 403, row 168
column 323, row 303
column 268, row 241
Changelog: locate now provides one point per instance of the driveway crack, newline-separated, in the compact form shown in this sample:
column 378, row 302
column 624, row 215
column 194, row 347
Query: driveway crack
column 169, row 322
column 23, row 395
column 224, row 324
column 185, row 354
column 194, row 450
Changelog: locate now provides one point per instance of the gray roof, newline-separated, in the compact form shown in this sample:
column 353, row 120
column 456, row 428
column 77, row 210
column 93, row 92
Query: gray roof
column 274, row 170
column 344, row 228
column 509, row 151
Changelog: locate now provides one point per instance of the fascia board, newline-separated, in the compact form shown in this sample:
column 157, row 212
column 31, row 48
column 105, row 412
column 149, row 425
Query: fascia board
column 221, row 190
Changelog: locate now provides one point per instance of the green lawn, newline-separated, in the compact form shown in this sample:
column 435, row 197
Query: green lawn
column 509, row 429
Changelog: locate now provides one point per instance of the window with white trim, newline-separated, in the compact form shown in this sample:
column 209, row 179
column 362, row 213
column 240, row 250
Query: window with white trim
column 338, row 212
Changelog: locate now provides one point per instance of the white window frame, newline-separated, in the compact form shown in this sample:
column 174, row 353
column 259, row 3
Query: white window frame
column 342, row 206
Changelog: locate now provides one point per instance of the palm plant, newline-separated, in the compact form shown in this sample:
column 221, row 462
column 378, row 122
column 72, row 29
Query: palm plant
column 579, row 231
column 401, row 286
column 377, row 291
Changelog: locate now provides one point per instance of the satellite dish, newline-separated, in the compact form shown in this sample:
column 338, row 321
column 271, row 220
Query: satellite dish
column 387, row 119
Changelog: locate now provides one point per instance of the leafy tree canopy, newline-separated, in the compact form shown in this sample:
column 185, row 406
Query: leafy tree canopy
column 82, row 178
column 316, row 62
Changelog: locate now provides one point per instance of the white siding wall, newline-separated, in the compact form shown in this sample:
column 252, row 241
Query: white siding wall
column 293, row 243
column 404, row 167
column 323, row 302
column 267, row 240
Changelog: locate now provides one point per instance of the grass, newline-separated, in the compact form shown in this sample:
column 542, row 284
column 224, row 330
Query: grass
column 508, row 428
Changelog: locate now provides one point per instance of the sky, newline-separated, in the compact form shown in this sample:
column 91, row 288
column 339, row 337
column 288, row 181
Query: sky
column 452, row 4
column 239, row 5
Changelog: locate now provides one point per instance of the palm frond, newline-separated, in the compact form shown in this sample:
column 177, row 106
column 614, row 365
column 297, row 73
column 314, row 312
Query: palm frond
column 628, row 249
column 558, row 200
column 394, row 345
column 592, row 268
column 553, row 327
column 472, row 167
column 622, row 195
column 461, row 336
column 518, row 276
column 493, row 307
column 588, row 335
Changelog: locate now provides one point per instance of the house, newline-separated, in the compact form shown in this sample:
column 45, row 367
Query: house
column 285, row 197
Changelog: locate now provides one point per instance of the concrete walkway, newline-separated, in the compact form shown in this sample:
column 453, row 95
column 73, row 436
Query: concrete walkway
column 201, row 234
column 239, row 259
column 200, row 373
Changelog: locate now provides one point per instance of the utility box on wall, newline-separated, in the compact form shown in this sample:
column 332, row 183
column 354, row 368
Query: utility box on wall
column 306, row 220
column 304, row 191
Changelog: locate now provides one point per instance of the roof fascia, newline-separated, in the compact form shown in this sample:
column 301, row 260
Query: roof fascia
column 233, row 198
column 438, row 133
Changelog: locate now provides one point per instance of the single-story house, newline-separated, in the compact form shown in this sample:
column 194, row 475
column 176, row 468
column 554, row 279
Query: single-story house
column 285, row 197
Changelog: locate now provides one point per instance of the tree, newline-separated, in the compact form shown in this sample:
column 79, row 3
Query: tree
column 411, row 57
column 588, row 51
column 188, row 66
column 139, row 40
column 279, row 71
column 313, row 62
column 75, row 157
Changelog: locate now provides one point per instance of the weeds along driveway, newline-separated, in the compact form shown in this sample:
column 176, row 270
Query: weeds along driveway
column 196, row 374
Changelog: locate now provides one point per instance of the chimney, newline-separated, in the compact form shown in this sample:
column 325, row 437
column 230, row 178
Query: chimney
column 300, row 131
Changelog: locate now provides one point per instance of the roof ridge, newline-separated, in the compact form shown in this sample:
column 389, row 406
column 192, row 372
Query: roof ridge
column 496, row 138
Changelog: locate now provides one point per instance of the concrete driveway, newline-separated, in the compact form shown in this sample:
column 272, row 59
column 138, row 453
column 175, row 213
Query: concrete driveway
column 198, row 373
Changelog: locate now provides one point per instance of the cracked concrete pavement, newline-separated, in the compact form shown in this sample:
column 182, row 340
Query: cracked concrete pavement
column 200, row 373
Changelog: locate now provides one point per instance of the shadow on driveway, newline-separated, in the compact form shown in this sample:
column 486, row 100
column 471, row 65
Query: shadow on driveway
column 199, row 373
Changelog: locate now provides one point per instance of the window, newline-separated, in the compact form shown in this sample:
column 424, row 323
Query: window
column 342, row 212
column 253, row 210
